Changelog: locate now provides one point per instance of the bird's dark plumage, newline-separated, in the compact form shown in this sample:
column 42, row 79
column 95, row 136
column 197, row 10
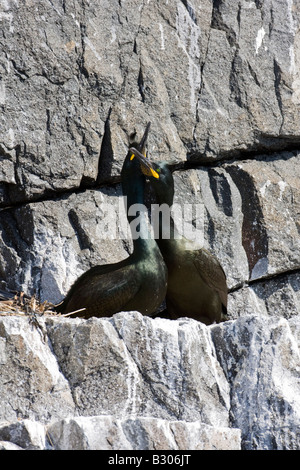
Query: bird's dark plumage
column 196, row 280
column 138, row 282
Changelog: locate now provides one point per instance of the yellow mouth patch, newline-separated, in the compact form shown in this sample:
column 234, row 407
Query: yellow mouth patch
column 145, row 167
column 132, row 156
column 149, row 172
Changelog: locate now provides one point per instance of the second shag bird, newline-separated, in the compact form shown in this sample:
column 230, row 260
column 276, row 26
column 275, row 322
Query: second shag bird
column 139, row 282
column 197, row 285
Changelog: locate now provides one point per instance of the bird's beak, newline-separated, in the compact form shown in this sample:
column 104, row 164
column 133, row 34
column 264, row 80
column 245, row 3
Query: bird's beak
column 142, row 144
column 146, row 166
column 140, row 153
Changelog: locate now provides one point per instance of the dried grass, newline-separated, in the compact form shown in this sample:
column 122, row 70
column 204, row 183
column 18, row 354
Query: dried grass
column 20, row 304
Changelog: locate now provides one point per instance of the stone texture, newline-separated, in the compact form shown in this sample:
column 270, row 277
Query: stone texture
column 246, row 204
column 260, row 358
column 31, row 384
column 145, row 368
column 26, row 434
column 270, row 204
column 251, row 222
column 41, row 94
column 279, row 297
column 215, row 78
column 132, row 382
column 86, row 433
column 249, row 96
column 6, row 445
column 110, row 433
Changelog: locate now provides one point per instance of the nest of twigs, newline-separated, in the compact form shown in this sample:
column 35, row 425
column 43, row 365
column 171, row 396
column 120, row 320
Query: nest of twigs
column 21, row 304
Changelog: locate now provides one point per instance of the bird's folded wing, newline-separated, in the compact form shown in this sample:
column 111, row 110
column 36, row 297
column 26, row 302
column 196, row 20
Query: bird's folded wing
column 108, row 291
column 212, row 273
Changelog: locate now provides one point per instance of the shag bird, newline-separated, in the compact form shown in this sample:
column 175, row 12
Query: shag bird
column 197, row 285
column 138, row 282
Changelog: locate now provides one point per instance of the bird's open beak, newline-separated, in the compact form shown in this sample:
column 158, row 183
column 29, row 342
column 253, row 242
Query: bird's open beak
column 140, row 153
column 146, row 166
column 142, row 145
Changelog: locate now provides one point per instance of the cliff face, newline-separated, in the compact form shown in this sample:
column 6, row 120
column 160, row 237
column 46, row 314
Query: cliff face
column 132, row 382
column 220, row 83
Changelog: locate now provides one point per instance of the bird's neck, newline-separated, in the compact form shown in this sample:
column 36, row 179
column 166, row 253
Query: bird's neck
column 168, row 233
column 162, row 221
column 137, row 215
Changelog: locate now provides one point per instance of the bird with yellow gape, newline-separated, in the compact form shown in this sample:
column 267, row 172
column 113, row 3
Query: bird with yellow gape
column 197, row 285
column 189, row 278
column 138, row 282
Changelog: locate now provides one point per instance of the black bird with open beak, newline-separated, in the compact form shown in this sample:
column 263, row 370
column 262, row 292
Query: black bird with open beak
column 197, row 285
column 138, row 282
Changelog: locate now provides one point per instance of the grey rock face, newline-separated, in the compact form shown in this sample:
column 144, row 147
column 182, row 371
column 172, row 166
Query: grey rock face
column 264, row 379
column 140, row 434
column 109, row 433
column 214, row 79
column 25, row 434
column 132, row 382
column 147, row 366
column 279, row 296
column 250, row 221
column 244, row 92
column 31, row 384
